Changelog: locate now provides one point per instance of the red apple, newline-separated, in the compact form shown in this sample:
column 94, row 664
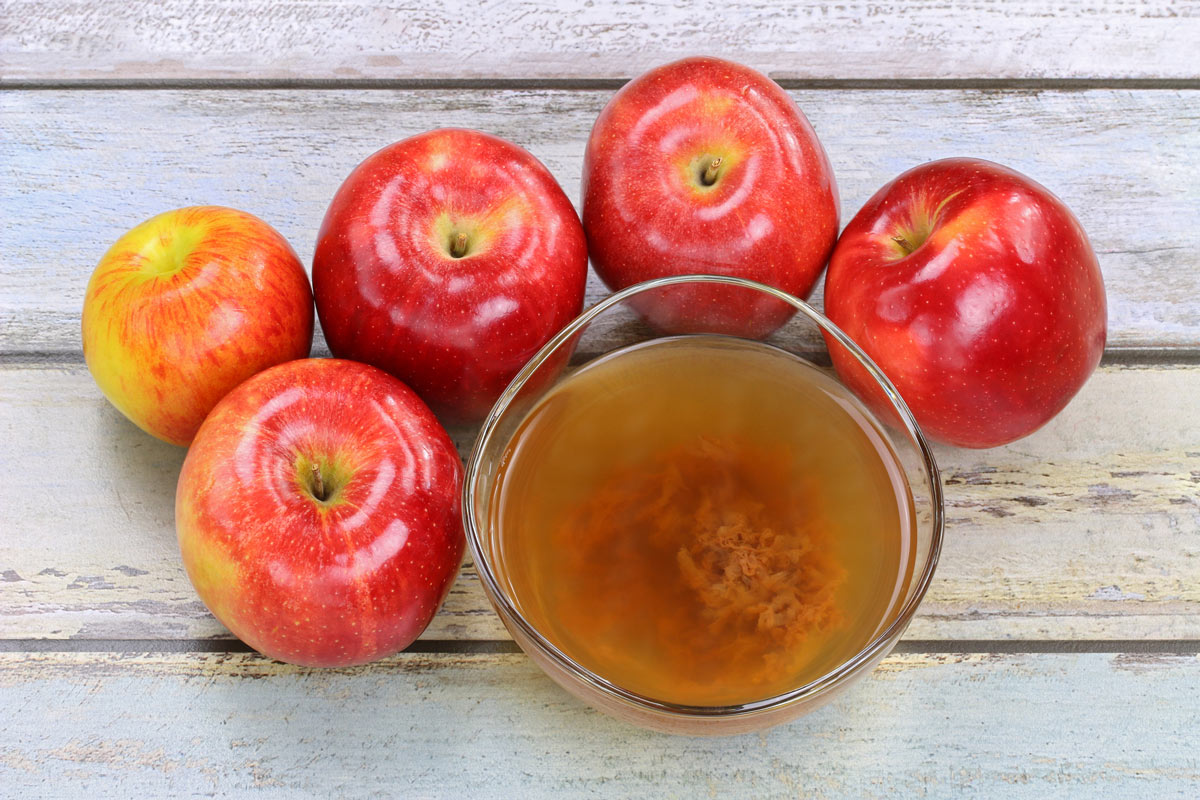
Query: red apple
column 186, row 306
column 705, row 166
column 318, row 513
column 976, row 290
column 448, row 259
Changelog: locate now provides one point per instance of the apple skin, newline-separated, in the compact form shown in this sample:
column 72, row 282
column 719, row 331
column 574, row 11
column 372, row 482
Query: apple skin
column 186, row 306
column 390, row 291
column 343, row 581
column 992, row 322
column 770, row 215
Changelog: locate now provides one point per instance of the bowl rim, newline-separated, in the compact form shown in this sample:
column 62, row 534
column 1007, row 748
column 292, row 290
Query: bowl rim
column 878, row 646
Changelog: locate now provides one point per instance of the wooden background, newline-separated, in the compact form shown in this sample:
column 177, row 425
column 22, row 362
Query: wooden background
column 1058, row 650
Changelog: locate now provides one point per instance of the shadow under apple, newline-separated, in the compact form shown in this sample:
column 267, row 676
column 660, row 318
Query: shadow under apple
column 140, row 472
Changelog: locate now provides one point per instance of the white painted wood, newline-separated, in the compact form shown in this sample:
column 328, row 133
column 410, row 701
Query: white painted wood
column 88, row 547
column 80, row 168
column 1088, row 529
column 940, row 726
column 322, row 39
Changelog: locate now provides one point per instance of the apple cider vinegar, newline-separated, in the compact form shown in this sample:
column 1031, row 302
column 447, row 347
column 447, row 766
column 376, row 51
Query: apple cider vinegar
column 704, row 521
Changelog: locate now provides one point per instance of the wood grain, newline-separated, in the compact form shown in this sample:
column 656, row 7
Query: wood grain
column 493, row 726
column 89, row 546
column 80, row 168
column 1088, row 529
column 57, row 40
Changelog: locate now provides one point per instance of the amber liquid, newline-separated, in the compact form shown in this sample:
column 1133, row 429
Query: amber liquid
column 703, row 521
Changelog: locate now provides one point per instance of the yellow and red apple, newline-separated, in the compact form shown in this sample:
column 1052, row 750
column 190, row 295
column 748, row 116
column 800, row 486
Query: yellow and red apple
column 318, row 513
column 186, row 306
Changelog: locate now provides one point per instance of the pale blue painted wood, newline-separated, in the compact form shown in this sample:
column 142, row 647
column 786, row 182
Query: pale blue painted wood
column 80, row 168
column 988, row 726
column 1087, row 529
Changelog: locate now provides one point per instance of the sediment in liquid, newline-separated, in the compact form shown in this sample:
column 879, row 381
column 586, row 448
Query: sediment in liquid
column 703, row 520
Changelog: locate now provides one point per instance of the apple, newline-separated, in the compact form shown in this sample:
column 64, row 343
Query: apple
column 977, row 292
column 186, row 306
column 448, row 259
column 706, row 166
column 318, row 513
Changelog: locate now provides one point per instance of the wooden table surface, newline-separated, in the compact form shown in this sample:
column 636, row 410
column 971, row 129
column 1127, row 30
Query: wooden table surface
column 1058, row 650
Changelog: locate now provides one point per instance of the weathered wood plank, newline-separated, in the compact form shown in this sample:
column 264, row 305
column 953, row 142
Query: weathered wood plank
column 88, row 546
column 297, row 39
column 1088, row 529
column 80, row 168
column 493, row 726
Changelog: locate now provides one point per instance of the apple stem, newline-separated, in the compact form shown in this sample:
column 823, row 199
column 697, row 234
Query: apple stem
column 904, row 243
column 458, row 245
column 318, row 486
column 710, row 175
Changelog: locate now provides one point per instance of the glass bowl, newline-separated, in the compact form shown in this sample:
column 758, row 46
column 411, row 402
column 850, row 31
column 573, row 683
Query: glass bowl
column 619, row 320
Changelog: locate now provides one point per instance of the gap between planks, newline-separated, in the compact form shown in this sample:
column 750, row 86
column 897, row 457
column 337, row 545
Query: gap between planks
column 592, row 84
column 501, row 646
column 1117, row 356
